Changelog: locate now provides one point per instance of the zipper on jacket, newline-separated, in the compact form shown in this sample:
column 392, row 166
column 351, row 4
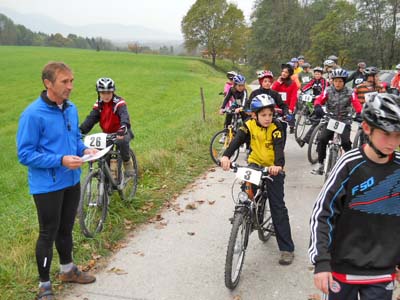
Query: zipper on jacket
column 53, row 174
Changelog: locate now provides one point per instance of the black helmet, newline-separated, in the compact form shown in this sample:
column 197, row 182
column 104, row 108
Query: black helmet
column 371, row 71
column 105, row 84
column 383, row 111
column 339, row 73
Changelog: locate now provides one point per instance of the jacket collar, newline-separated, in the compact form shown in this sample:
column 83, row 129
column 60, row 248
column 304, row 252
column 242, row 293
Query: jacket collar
column 46, row 99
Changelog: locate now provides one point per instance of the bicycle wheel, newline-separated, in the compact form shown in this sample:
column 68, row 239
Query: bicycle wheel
column 93, row 205
column 312, row 153
column 300, row 125
column 330, row 161
column 219, row 143
column 236, row 250
column 264, row 220
column 128, row 186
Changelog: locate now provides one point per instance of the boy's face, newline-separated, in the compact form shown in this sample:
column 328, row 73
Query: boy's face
column 266, row 83
column 265, row 116
column 338, row 83
column 386, row 142
column 106, row 96
column 317, row 75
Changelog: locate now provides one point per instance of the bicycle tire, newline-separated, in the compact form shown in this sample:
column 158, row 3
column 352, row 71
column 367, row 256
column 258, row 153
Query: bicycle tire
column 331, row 160
column 265, row 221
column 128, row 186
column 240, row 230
column 312, row 153
column 300, row 125
column 217, row 149
column 93, row 205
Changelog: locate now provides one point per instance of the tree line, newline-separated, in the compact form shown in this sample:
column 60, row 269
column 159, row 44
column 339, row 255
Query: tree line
column 358, row 30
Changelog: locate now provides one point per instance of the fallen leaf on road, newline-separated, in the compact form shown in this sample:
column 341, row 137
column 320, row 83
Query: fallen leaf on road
column 212, row 170
column 140, row 253
column 191, row 205
column 211, row 202
column 161, row 225
column 200, row 201
column 96, row 256
column 237, row 297
column 117, row 271
column 221, row 180
column 191, row 233
column 159, row 217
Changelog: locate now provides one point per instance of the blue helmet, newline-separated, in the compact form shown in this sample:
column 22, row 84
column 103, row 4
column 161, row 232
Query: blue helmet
column 261, row 101
column 294, row 60
column 339, row 73
column 239, row 79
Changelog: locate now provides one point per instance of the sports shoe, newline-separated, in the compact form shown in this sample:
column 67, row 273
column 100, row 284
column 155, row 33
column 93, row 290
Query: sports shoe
column 128, row 167
column 319, row 170
column 77, row 276
column 45, row 293
column 286, row 258
column 291, row 131
column 300, row 142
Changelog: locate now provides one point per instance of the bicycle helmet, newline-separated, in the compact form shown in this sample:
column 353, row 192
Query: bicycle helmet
column 264, row 74
column 306, row 65
column 339, row 73
column 261, row 101
column 231, row 74
column 105, row 84
column 239, row 79
column 290, row 66
column 398, row 67
column 333, row 57
column 382, row 111
column 300, row 57
column 361, row 64
column 371, row 71
column 329, row 63
column 318, row 69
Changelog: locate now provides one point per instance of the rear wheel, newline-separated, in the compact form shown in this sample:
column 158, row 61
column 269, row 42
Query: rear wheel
column 312, row 153
column 236, row 250
column 93, row 205
column 219, row 143
column 128, row 185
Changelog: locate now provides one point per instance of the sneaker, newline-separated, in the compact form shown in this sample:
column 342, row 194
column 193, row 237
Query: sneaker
column 286, row 258
column 45, row 293
column 300, row 142
column 77, row 276
column 128, row 167
column 222, row 139
column 291, row 131
column 319, row 170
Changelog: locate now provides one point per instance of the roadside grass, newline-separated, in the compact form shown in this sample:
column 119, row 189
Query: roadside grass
column 171, row 144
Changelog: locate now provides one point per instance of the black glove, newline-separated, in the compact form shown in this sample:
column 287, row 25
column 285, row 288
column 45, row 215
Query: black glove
column 358, row 118
column 122, row 131
column 319, row 112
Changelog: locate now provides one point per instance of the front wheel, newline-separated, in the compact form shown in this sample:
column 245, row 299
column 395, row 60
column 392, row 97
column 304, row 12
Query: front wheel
column 312, row 153
column 128, row 186
column 236, row 250
column 93, row 205
column 300, row 125
column 219, row 143
column 331, row 159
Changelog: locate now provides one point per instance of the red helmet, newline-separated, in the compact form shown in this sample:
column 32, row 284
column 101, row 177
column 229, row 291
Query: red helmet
column 265, row 74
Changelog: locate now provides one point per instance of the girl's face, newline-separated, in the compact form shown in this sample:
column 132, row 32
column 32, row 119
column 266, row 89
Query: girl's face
column 265, row 116
column 338, row 83
column 317, row 75
column 240, row 87
column 266, row 83
column 386, row 142
column 106, row 96
column 285, row 73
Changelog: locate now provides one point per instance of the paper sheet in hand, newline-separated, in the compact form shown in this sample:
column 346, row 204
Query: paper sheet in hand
column 90, row 157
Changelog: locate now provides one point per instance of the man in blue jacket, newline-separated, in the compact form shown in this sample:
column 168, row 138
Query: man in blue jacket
column 49, row 144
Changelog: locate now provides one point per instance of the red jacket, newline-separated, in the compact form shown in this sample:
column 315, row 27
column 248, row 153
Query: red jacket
column 396, row 82
column 288, row 93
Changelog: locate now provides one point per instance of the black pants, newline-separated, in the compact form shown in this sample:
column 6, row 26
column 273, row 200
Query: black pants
column 123, row 145
column 326, row 135
column 56, row 214
column 344, row 291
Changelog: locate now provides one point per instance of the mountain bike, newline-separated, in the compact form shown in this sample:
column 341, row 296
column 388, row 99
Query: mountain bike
column 303, row 115
column 251, row 213
column 222, row 139
column 334, row 148
column 105, row 176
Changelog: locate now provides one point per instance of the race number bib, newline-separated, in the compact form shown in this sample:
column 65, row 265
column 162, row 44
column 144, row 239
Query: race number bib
column 306, row 98
column 336, row 126
column 283, row 95
column 249, row 175
column 97, row 140
column 305, row 79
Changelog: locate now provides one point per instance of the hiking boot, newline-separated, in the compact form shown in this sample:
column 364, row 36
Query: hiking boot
column 128, row 167
column 45, row 293
column 319, row 170
column 286, row 258
column 77, row 276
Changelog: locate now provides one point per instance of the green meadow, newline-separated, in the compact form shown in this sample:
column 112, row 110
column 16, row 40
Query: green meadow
column 171, row 144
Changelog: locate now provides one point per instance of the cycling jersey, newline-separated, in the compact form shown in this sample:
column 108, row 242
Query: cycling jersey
column 366, row 87
column 288, row 91
column 318, row 86
column 357, row 77
column 396, row 81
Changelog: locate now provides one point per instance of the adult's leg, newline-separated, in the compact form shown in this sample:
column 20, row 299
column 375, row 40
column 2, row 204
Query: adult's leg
column 381, row 291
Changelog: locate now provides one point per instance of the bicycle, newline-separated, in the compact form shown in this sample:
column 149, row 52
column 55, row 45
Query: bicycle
column 251, row 213
column 222, row 139
column 303, row 120
column 102, row 181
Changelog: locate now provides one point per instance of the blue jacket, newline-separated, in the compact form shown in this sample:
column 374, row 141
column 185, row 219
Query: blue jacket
column 45, row 134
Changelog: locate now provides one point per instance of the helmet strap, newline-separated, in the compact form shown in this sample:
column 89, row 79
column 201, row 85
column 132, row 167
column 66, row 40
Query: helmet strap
column 376, row 150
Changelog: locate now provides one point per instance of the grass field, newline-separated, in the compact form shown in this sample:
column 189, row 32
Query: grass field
column 163, row 96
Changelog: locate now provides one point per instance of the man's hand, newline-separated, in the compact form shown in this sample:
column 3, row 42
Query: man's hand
column 72, row 162
column 322, row 281
column 225, row 163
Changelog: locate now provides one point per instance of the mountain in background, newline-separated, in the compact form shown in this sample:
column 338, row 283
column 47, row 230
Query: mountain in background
column 115, row 32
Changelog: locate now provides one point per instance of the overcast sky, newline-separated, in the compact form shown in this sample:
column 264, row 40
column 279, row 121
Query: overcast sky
column 158, row 14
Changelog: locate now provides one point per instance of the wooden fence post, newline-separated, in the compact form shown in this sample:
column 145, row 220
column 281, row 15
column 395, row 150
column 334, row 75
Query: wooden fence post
column 203, row 104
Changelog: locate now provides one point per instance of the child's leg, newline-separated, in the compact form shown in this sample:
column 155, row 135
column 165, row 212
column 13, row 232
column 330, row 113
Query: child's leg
column 381, row 291
column 345, row 137
column 123, row 146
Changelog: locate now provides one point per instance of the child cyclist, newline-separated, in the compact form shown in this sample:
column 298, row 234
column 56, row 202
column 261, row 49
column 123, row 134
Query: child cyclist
column 265, row 136
column 355, row 223
column 111, row 111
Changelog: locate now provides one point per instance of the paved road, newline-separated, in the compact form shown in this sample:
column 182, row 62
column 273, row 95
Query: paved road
column 182, row 256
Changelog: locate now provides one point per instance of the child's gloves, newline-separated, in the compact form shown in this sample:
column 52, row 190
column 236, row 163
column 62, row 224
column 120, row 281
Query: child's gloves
column 122, row 131
column 319, row 112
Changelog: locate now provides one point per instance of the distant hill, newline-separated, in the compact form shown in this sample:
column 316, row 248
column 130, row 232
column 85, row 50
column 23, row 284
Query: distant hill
column 114, row 32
